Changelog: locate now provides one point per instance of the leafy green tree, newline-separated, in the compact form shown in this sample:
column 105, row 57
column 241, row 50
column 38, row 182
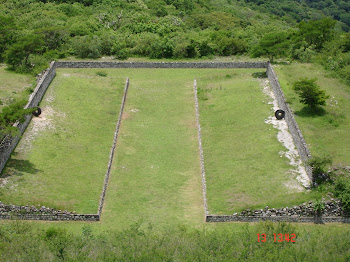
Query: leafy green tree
column 17, row 55
column 7, row 34
column 272, row 45
column 11, row 114
column 310, row 93
column 53, row 37
column 317, row 32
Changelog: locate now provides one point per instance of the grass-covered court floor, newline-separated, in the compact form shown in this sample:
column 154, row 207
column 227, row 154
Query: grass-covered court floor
column 62, row 158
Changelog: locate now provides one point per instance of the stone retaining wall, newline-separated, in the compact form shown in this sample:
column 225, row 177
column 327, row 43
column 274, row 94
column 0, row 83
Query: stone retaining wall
column 42, row 213
column 34, row 100
column 332, row 211
column 94, row 64
column 293, row 127
column 299, row 219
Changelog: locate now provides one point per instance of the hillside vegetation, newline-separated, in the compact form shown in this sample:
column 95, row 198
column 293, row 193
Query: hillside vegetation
column 33, row 32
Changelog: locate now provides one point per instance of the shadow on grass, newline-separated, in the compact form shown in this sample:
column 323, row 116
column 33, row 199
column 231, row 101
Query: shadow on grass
column 281, row 63
column 311, row 112
column 17, row 167
column 259, row 75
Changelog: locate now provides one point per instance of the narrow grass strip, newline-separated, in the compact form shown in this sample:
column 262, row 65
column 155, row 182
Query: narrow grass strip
column 110, row 162
column 200, row 149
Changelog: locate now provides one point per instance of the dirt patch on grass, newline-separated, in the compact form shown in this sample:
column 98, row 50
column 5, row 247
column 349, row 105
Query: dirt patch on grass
column 46, row 121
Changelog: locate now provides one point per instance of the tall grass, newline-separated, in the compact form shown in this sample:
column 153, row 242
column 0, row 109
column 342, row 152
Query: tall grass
column 173, row 244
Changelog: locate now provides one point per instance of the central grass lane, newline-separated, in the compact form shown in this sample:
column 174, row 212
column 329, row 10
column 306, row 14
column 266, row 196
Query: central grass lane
column 156, row 172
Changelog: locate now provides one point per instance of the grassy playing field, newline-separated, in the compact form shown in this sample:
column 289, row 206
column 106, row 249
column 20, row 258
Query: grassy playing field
column 62, row 158
column 328, row 133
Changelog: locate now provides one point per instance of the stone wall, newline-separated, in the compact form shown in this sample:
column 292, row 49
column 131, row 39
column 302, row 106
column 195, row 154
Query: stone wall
column 34, row 100
column 160, row 64
column 42, row 213
column 103, row 194
column 299, row 219
column 204, row 185
column 293, row 127
column 332, row 211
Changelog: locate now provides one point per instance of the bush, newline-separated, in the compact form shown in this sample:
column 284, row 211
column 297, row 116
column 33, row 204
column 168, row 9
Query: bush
column 310, row 93
column 87, row 46
column 100, row 73
column 319, row 172
column 342, row 191
column 38, row 64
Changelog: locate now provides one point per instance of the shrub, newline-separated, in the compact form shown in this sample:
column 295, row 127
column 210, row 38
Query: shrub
column 87, row 46
column 342, row 191
column 310, row 93
column 120, row 51
column 319, row 172
column 100, row 73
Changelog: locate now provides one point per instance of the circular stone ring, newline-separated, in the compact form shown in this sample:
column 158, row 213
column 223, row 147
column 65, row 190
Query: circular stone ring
column 37, row 111
column 280, row 114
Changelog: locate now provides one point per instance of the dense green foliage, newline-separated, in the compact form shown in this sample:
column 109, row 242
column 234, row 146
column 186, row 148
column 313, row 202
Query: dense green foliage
column 305, row 9
column 33, row 32
column 23, row 242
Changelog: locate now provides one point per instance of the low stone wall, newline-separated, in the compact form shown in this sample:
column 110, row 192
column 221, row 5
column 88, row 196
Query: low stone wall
column 297, row 219
column 204, row 185
column 332, row 211
column 93, row 64
column 293, row 127
column 34, row 100
column 103, row 194
column 42, row 213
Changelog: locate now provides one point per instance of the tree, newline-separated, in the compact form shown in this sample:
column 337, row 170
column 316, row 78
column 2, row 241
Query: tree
column 7, row 34
column 310, row 93
column 317, row 32
column 11, row 114
column 17, row 55
column 272, row 45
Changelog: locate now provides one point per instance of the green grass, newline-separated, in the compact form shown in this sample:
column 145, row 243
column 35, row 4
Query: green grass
column 241, row 152
column 326, row 134
column 14, row 86
column 64, row 165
